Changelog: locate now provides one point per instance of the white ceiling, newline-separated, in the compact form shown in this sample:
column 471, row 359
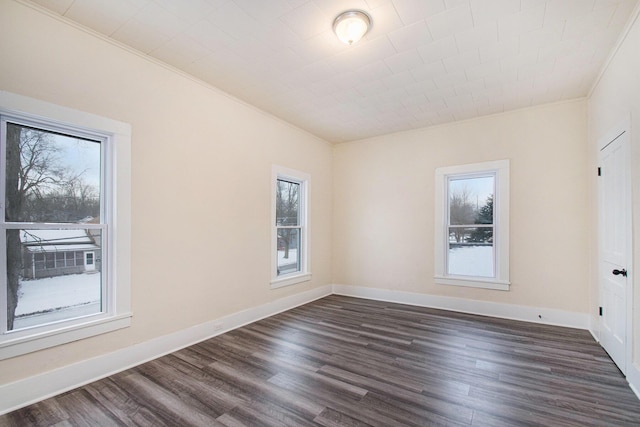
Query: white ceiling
column 423, row 63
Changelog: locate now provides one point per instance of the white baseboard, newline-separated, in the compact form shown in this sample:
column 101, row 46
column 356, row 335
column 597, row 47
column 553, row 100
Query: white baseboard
column 505, row 311
column 39, row 387
column 545, row 316
column 594, row 327
column 633, row 378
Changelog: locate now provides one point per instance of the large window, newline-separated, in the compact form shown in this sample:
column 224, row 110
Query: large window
column 290, row 236
column 57, row 240
column 472, row 225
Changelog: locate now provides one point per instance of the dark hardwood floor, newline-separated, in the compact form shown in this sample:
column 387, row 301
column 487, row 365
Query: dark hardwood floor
column 344, row 361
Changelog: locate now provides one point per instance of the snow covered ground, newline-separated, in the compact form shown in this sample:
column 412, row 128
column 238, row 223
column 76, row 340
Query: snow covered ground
column 471, row 261
column 56, row 298
column 293, row 256
column 288, row 265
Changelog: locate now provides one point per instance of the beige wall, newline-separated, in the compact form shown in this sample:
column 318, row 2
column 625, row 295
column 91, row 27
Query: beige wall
column 383, row 228
column 201, row 166
column 615, row 98
column 201, row 195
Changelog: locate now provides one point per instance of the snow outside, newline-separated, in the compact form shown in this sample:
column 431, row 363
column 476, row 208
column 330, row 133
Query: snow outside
column 51, row 299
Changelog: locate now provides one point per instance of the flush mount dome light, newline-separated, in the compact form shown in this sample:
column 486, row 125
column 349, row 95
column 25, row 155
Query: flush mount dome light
column 351, row 26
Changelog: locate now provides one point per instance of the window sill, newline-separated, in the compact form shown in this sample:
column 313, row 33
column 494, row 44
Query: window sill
column 27, row 344
column 290, row 280
column 473, row 282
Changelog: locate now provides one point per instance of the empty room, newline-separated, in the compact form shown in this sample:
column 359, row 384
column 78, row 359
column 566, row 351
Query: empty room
column 319, row 212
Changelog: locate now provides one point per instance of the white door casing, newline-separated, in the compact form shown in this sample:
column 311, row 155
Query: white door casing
column 614, row 204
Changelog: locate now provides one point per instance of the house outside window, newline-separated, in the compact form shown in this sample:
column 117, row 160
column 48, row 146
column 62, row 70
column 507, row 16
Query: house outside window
column 290, row 233
column 57, row 239
column 472, row 225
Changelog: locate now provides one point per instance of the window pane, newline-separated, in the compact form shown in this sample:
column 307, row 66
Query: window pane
column 288, row 251
column 70, row 259
column 471, row 200
column 287, row 203
column 471, row 251
column 51, row 177
column 43, row 289
column 50, row 261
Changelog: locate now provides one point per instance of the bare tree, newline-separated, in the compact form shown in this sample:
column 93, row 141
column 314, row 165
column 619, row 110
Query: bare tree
column 13, row 210
column 71, row 201
column 461, row 211
column 287, row 209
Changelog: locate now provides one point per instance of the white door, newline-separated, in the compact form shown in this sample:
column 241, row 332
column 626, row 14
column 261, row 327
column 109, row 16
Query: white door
column 615, row 247
column 89, row 261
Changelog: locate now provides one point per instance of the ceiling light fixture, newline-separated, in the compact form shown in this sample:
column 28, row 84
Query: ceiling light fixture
column 351, row 25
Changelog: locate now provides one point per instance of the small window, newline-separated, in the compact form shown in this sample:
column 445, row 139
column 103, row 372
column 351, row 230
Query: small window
column 58, row 188
column 472, row 225
column 290, row 256
column 289, row 226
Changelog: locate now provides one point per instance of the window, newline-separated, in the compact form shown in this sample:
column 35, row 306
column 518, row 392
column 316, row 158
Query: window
column 472, row 225
column 290, row 234
column 57, row 236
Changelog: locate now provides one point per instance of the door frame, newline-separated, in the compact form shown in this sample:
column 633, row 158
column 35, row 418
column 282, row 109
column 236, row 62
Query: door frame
column 621, row 128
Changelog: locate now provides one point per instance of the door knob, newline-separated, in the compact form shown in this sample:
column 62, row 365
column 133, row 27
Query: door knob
column 617, row 272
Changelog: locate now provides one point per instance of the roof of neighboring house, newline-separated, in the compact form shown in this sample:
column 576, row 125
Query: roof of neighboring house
column 57, row 240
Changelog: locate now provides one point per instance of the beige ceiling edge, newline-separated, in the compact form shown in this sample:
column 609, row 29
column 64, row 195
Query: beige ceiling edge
column 623, row 36
column 166, row 66
column 465, row 121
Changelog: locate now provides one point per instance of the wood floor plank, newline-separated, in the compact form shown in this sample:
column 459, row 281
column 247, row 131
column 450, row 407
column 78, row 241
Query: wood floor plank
column 166, row 403
column 261, row 388
column 332, row 418
column 120, row 404
column 343, row 361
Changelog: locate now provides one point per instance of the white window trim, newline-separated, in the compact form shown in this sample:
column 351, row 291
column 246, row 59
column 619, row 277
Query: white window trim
column 117, row 195
column 304, row 275
column 501, row 225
